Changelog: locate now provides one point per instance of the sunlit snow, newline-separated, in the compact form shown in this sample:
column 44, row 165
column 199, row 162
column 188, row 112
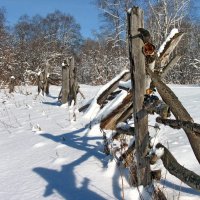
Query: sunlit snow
column 52, row 157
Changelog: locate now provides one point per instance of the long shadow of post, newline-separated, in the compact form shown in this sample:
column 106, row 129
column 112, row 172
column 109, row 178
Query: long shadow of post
column 64, row 181
column 179, row 187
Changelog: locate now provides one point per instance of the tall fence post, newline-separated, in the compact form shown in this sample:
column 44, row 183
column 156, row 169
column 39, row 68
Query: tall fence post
column 46, row 81
column 12, row 84
column 73, row 85
column 43, row 80
column 70, row 86
column 138, row 75
column 65, row 81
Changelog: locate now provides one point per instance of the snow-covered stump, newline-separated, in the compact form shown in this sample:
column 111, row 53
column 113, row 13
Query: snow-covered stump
column 11, row 84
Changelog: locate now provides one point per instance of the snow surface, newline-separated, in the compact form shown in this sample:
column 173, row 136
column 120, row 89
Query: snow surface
column 46, row 154
column 126, row 84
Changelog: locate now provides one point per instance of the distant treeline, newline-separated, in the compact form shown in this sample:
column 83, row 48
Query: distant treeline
column 32, row 42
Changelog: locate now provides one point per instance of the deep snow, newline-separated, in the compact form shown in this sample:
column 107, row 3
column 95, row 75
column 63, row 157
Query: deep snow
column 45, row 154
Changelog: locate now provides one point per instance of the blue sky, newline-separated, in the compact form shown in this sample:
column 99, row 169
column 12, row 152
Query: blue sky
column 85, row 13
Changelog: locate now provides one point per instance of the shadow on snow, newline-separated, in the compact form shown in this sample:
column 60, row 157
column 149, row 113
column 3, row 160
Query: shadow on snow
column 64, row 181
column 179, row 187
column 51, row 96
column 55, row 103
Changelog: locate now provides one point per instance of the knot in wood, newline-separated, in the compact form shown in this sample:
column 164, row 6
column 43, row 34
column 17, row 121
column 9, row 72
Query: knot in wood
column 148, row 49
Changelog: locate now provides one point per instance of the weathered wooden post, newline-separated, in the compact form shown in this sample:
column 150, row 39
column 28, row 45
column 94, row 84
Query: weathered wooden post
column 65, row 81
column 138, row 75
column 40, row 82
column 12, row 84
column 70, row 86
column 43, row 80
column 46, row 75
column 73, row 85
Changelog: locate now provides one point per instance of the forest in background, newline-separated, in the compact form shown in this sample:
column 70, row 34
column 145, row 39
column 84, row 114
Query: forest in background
column 34, row 42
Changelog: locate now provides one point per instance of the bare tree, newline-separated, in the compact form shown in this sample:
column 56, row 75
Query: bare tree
column 6, row 53
column 39, row 39
column 164, row 15
column 99, row 62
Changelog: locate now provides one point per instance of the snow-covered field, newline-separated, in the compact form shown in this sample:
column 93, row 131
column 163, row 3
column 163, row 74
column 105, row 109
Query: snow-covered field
column 45, row 154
